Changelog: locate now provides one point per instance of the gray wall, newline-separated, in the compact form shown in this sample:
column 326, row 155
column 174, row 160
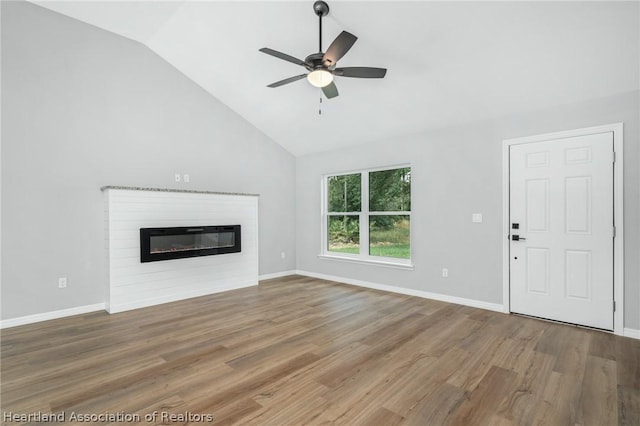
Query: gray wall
column 83, row 108
column 456, row 172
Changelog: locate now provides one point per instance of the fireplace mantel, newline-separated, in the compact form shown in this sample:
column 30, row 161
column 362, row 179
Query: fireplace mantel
column 190, row 191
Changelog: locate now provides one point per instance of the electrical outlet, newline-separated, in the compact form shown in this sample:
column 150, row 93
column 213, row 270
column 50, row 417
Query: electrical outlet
column 177, row 177
column 476, row 217
column 445, row 272
column 186, row 178
column 62, row 282
column 283, row 255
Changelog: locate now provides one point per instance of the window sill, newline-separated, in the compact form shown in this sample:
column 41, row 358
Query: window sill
column 382, row 263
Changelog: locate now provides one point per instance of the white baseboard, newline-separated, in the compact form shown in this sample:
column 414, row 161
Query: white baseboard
column 631, row 332
column 30, row 319
column 409, row 292
column 276, row 275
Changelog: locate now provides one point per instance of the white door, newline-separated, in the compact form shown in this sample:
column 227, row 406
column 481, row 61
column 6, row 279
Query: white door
column 561, row 209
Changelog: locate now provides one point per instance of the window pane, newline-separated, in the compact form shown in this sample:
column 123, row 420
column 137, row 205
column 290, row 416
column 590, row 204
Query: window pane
column 390, row 190
column 389, row 236
column 344, row 234
column 344, row 193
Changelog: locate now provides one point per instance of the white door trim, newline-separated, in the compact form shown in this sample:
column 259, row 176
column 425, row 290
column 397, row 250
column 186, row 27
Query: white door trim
column 618, row 196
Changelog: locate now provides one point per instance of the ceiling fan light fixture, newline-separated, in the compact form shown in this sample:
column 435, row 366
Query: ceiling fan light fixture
column 322, row 65
column 320, row 78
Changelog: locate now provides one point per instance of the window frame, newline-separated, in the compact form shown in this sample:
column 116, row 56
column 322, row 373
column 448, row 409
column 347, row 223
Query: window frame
column 363, row 215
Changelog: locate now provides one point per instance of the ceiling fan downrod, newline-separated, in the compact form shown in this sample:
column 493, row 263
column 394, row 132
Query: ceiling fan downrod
column 321, row 9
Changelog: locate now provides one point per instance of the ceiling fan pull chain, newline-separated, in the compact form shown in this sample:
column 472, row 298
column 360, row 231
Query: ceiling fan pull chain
column 320, row 107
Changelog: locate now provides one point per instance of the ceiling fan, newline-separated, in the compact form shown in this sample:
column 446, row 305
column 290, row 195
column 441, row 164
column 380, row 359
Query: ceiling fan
column 322, row 65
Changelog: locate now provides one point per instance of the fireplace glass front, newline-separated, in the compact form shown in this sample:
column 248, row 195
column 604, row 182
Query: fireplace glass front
column 180, row 242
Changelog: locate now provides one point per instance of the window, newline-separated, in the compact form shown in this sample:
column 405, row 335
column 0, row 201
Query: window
column 367, row 215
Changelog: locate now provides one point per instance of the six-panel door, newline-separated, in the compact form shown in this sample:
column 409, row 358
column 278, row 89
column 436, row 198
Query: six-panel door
column 561, row 200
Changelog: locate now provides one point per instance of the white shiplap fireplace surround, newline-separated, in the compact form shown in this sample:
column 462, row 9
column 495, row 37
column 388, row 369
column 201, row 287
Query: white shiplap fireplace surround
column 132, row 284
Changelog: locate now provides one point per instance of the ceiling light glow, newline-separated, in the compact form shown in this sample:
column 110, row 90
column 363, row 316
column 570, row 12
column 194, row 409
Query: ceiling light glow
column 320, row 78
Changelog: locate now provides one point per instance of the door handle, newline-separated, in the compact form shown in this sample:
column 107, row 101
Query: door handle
column 517, row 238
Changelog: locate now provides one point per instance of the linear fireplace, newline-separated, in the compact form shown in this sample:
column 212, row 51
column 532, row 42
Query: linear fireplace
column 188, row 241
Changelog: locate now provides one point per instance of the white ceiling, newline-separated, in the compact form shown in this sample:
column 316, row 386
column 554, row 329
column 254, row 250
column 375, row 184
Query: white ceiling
column 448, row 62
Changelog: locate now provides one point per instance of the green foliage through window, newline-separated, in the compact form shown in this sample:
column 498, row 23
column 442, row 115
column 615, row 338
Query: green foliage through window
column 345, row 193
column 389, row 236
column 390, row 190
column 344, row 234
column 389, row 233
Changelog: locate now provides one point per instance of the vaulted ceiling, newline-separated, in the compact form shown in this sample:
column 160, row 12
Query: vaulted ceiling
column 448, row 62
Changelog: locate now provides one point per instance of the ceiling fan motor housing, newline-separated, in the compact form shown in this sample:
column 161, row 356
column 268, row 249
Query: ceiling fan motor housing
column 314, row 61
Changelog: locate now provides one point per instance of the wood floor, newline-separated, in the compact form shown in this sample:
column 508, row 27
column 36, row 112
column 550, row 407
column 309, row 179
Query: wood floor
column 299, row 351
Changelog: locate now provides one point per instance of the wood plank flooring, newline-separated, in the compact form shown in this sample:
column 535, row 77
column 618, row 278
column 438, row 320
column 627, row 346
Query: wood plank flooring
column 297, row 350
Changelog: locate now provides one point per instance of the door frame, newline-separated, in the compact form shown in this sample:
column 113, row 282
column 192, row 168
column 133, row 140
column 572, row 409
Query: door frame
column 618, row 216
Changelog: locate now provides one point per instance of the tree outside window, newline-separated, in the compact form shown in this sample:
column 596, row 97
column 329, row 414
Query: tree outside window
column 376, row 201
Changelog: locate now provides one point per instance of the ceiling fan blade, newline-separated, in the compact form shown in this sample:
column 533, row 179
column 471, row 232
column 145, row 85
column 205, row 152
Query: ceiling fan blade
column 282, row 56
column 338, row 48
column 330, row 90
column 361, row 72
column 287, row 80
